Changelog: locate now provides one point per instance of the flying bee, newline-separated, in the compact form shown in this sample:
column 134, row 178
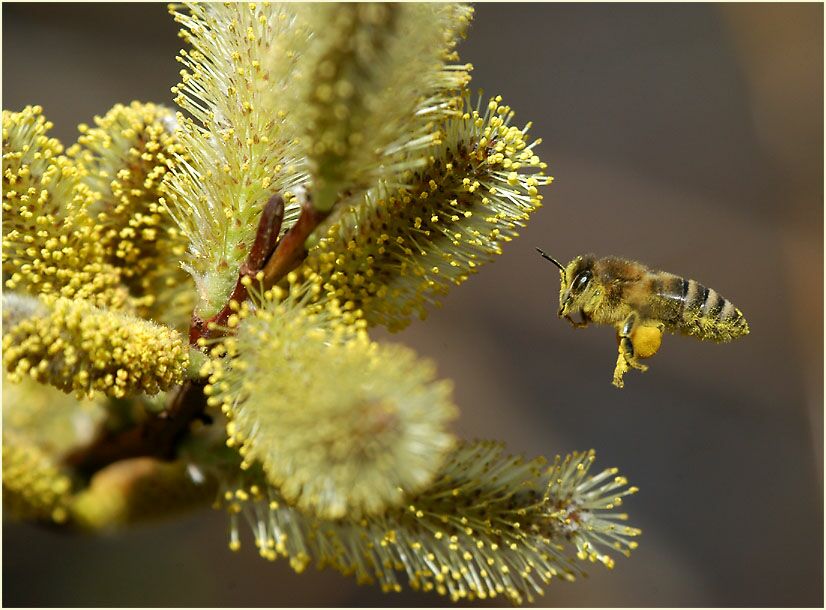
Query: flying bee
column 641, row 304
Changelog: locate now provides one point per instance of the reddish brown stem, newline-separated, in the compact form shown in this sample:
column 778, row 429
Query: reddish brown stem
column 262, row 248
column 291, row 251
column 155, row 437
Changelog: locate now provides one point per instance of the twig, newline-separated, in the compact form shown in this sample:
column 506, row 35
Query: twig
column 291, row 251
column 155, row 437
column 262, row 249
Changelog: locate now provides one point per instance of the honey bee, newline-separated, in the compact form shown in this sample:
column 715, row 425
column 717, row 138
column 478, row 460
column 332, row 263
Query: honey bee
column 641, row 304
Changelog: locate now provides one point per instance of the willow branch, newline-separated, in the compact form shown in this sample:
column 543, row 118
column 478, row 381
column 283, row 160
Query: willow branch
column 155, row 437
column 291, row 250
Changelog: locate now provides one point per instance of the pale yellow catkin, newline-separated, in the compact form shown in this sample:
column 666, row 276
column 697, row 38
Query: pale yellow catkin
column 80, row 348
column 342, row 425
column 491, row 524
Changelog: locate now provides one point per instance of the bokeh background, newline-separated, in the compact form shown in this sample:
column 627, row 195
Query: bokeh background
column 685, row 136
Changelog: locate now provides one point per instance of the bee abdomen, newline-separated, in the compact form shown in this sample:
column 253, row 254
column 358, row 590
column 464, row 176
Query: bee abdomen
column 708, row 315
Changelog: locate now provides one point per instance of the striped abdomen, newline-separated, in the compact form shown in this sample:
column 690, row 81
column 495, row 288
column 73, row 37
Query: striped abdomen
column 700, row 311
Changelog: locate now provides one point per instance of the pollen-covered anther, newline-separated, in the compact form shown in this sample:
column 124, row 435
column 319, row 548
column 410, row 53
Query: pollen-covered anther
column 126, row 157
column 80, row 348
column 51, row 245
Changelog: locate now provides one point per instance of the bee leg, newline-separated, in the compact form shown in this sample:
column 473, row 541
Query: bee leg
column 620, row 370
column 626, row 357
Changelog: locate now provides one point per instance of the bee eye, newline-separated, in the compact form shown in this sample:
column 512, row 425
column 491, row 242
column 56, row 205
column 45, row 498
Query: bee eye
column 581, row 280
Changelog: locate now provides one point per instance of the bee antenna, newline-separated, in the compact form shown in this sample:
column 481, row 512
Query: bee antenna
column 554, row 261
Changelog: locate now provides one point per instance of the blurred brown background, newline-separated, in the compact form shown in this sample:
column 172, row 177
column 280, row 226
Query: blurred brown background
column 686, row 136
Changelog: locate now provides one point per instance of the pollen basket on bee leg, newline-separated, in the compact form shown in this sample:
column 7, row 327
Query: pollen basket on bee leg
column 646, row 341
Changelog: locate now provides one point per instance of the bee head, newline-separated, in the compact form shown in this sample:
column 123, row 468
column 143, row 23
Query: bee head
column 578, row 289
column 576, row 286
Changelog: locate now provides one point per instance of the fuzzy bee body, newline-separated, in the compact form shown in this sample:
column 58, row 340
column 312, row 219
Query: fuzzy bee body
column 642, row 303
column 689, row 308
column 683, row 306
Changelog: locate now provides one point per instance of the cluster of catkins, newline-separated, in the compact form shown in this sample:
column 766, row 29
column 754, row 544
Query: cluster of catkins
column 336, row 449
